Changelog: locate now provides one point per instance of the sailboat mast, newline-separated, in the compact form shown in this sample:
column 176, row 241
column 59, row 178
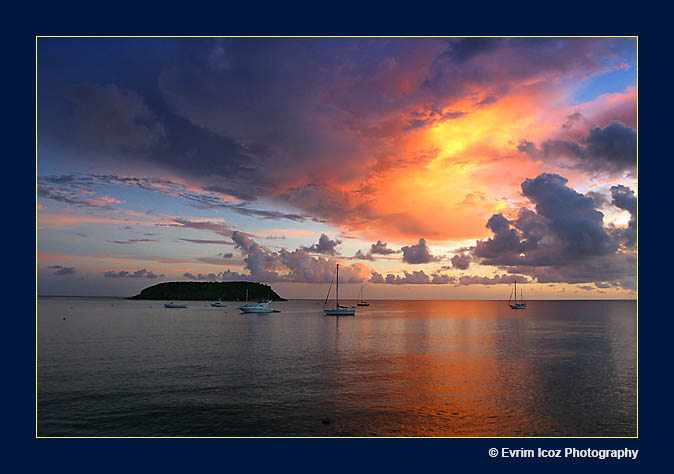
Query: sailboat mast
column 515, row 291
column 337, row 290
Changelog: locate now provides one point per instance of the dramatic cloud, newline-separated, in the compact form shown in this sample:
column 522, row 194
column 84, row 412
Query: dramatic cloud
column 564, row 240
column 355, row 138
column 324, row 246
column 418, row 253
column 296, row 266
column 62, row 271
column 266, row 120
column 624, row 198
column 612, row 148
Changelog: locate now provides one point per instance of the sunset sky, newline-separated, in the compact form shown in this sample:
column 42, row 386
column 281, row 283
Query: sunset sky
column 429, row 168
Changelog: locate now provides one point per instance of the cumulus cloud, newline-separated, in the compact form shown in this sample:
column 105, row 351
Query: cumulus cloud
column 201, row 276
column 143, row 273
column 418, row 253
column 461, row 261
column 564, row 240
column 325, row 246
column 296, row 266
column 412, row 278
column 359, row 255
column 378, row 248
column 495, row 280
column 624, row 198
column 381, row 248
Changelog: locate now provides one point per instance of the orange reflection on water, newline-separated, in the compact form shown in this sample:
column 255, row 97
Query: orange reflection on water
column 465, row 368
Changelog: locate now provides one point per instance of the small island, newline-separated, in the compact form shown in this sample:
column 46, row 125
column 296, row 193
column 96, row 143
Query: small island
column 207, row 291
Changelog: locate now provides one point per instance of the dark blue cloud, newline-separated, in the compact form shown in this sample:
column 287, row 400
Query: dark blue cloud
column 624, row 198
column 63, row 271
column 325, row 246
column 612, row 148
column 564, row 240
column 418, row 253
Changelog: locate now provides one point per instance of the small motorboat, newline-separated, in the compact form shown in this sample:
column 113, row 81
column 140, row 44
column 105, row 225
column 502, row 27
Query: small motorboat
column 219, row 304
column 261, row 307
column 174, row 305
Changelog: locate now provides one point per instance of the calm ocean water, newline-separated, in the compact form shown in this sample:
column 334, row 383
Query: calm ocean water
column 399, row 368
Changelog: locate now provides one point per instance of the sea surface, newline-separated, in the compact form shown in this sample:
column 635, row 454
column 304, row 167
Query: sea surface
column 116, row 367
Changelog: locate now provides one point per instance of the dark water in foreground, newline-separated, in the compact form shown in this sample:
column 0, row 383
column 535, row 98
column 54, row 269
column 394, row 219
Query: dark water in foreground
column 399, row 368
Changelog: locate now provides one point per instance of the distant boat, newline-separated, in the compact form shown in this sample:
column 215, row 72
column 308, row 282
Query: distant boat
column 259, row 307
column 513, row 303
column 219, row 304
column 338, row 310
column 361, row 302
column 174, row 305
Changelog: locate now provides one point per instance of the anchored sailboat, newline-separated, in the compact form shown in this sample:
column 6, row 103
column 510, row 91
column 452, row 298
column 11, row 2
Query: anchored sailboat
column 361, row 302
column 514, row 304
column 338, row 310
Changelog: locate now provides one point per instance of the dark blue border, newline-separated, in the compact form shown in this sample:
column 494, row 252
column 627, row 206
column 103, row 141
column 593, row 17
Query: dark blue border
column 277, row 455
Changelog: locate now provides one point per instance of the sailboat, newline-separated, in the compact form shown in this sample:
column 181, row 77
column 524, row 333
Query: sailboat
column 514, row 304
column 338, row 310
column 361, row 302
